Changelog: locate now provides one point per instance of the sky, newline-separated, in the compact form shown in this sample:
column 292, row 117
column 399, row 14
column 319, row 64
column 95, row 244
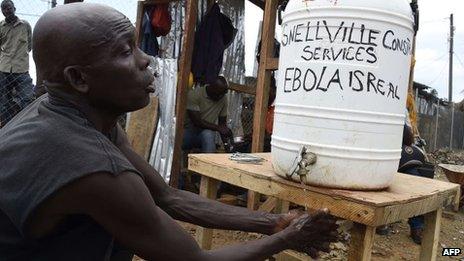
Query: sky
column 432, row 48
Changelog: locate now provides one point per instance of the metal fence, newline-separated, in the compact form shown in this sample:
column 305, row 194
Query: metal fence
column 440, row 125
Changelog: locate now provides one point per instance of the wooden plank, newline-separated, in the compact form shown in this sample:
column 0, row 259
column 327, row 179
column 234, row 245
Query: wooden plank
column 393, row 213
column 366, row 207
column 286, row 191
column 262, row 87
column 252, row 200
column 431, row 235
column 141, row 128
column 208, row 189
column 242, row 88
column 264, row 79
column 182, row 83
column 404, row 189
column 282, row 206
column 362, row 240
column 268, row 205
column 138, row 22
column 272, row 64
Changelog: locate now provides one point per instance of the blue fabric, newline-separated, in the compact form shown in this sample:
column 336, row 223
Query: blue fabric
column 203, row 139
column 16, row 92
column 418, row 221
column 149, row 44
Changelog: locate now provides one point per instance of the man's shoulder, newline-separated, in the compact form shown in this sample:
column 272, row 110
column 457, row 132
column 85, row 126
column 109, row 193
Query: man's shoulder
column 24, row 22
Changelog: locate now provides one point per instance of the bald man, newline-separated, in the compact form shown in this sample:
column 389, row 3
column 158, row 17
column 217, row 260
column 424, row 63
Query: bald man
column 72, row 188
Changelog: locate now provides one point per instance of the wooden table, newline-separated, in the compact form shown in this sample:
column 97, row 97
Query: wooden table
column 408, row 196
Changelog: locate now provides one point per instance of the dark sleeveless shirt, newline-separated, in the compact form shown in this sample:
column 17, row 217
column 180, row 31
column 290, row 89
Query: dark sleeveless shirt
column 45, row 147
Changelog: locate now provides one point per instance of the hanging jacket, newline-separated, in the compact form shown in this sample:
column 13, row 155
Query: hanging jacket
column 214, row 34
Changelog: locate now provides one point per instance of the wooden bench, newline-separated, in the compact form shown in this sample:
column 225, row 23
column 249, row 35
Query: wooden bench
column 408, row 196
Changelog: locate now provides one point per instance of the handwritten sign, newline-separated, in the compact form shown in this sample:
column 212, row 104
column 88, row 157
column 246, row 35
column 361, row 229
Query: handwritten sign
column 343, row 43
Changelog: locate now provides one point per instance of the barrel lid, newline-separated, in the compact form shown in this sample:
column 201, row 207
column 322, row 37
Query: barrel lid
column 398, row 7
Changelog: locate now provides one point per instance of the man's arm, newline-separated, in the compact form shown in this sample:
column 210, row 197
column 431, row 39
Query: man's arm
column 196, row 119
column 29, row 37
column 123, row 205
column 190, row 207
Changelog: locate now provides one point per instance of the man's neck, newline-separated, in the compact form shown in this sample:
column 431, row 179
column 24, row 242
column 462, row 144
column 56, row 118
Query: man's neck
column 11, row 20
column 103, row 120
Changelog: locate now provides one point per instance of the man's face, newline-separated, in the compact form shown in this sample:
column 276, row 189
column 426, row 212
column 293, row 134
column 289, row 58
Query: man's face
column 8, row 10
column 216, row 91
column 121, row 81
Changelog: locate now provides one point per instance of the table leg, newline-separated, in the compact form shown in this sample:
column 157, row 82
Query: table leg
column 252, row 200
column 208, row 188
column 431, row 235
column 282, row 207
column 362, row 240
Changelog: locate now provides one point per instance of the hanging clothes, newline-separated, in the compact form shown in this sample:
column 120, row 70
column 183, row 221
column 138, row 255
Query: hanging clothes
column 149, row 44
column 214, row 34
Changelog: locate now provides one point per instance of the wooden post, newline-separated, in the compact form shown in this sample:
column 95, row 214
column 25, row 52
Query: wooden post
column 182, row 82
column 262, row 86
column 141, row 128
column 362, row 240
column 431, row 235
column 139, row 22
column 208, row 189
column 264, row 75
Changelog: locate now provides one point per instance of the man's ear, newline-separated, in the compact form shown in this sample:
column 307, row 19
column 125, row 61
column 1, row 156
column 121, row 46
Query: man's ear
column 76, row 79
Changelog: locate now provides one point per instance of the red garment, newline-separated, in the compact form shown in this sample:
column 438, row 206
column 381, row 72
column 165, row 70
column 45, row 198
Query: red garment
column 161, row 19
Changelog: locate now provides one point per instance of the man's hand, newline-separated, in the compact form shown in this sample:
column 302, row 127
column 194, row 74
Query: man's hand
column 311, row 233
column 224, row 131
column 281, row 221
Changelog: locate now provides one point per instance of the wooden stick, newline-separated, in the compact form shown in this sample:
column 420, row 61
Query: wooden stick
column 362, row 240
column 208, row 189
column 182, row 83
column 262, row 87
column 431, row 235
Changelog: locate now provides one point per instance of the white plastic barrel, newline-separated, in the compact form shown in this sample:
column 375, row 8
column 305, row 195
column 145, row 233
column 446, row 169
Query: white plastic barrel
column 341, row 90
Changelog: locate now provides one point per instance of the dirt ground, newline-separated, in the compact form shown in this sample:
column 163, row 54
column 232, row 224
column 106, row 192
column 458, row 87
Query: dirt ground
column 396, row 246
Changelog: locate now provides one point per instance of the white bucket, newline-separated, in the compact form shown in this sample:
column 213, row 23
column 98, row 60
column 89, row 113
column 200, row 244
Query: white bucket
column 342, row 89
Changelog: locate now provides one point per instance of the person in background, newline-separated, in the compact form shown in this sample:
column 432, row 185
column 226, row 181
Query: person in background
column 206, row 116
column 412, row 162
column 412, row 159
column 16, row 88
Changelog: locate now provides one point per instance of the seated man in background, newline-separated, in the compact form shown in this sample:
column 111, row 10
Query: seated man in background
column 206, row 115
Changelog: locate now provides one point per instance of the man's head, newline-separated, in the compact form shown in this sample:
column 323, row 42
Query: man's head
column 89, row 51
column 217, row 89
column 8, row 9
column 72, row 1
